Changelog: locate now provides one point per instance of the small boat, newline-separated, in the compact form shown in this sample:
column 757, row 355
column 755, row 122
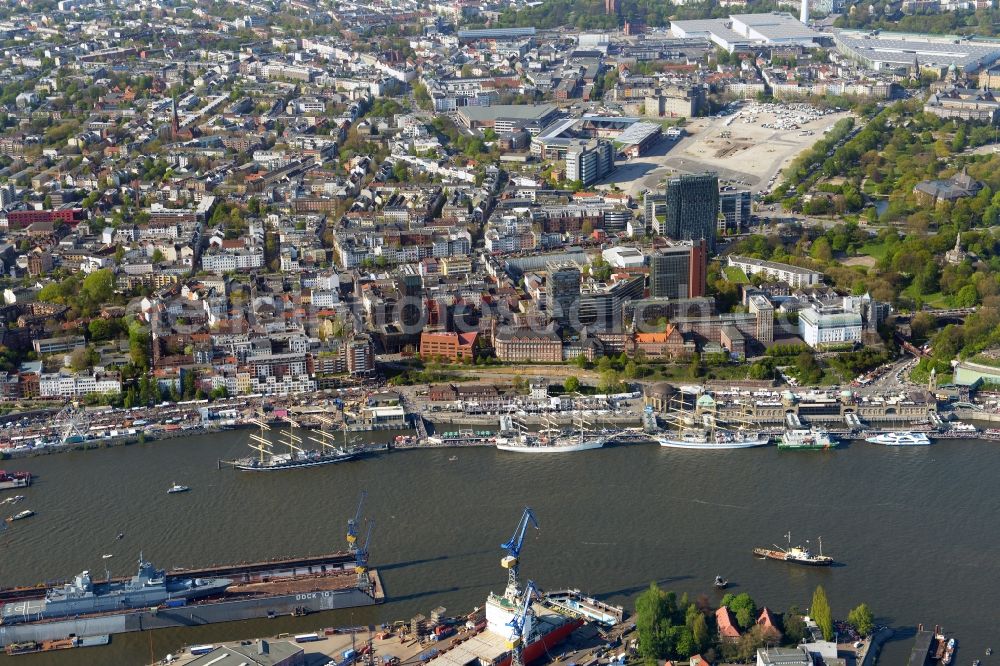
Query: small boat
column 989, row 651
column 13, row 500
column 949, row 651
column 721, row 583
column 27, row 513
column 453, row 459
column 976, row 663
column 121, row 535
column 177, row 488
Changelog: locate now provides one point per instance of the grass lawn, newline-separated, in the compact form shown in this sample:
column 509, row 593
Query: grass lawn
column 935, row 300
column 874, row 250
column 736, row 275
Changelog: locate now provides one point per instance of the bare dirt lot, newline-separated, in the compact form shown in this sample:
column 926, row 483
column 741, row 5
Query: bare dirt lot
column 739, row 147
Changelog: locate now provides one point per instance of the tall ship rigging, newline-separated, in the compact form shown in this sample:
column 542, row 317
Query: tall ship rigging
column 296, row 456
column 550, row 439
column 699, row 428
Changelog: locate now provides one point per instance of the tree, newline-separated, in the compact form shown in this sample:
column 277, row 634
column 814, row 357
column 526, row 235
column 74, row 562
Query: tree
column 82, row 358
column 861, row 619
column 821, row 250
column 609, row 381
column 699, row 632
column 98, row 286
column 744, row 608
column 571, row 385
column 821, row 614
column 652, row 620
column 795, row 625
column 100, row 329
column 921, row 325
column 157, row 256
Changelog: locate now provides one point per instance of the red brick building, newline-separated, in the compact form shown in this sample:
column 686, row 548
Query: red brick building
column 449, row 346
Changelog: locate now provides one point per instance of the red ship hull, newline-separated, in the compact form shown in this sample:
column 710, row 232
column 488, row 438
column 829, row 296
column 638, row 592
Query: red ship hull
column 549, row 640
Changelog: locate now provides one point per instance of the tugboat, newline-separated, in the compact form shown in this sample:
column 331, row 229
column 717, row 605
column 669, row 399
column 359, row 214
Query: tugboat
column 795, row 554
column 949, row 652
column 721, row 583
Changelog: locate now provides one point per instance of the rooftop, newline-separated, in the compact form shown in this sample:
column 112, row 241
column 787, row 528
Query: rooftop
column 525, row 112
column 903, row 48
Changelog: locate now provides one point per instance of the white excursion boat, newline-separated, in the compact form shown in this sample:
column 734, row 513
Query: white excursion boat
column 177, row 488
column 900, row 439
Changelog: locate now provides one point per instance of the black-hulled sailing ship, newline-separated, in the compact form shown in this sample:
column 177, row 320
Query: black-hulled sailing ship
column 296, row 456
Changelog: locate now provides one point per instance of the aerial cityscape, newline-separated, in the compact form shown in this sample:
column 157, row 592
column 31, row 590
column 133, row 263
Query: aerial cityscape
column 685, row 313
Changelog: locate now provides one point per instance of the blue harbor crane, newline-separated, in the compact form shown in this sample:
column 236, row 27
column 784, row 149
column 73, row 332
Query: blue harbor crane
column 521, row 625
column 358, row 548
column 361, row 557
column 353, row 523
column 511, row 560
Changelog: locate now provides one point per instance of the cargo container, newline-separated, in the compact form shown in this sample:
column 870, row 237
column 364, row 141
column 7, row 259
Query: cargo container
column 201, row 649
column 306, row 638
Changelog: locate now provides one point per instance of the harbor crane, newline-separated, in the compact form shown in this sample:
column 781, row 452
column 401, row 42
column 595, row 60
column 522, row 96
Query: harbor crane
column 361, row 558
column 352, row 524
column 511, row 560
column 521, row 625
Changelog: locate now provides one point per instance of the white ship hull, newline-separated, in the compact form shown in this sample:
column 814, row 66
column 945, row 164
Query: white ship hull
column 550, row 448
column 900, row 439
column 704, row 446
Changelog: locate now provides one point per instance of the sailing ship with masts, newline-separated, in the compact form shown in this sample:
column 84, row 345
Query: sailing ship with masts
column 550, row 439
column 700, row 427
column 297, row 455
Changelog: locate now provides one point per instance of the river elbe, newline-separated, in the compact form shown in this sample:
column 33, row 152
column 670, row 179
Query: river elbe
column 914, row 530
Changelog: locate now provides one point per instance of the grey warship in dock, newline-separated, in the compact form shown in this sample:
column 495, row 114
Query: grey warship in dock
column 81, row 596
column 154, row 599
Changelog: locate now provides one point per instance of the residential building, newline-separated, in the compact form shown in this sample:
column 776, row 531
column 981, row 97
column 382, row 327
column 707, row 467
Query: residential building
column 360, row 355
column 728, row 629
column 589, row 161
column 69, row 385
column 692, row 208
column 794, row 276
